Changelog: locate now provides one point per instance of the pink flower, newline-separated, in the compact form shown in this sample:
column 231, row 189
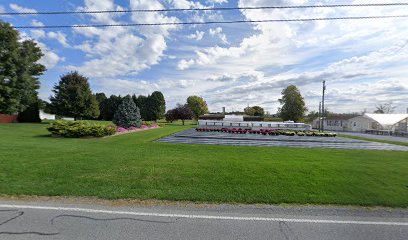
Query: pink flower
column 121, row 129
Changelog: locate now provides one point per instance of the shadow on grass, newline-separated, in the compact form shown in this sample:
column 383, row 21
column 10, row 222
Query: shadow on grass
column 43, row 136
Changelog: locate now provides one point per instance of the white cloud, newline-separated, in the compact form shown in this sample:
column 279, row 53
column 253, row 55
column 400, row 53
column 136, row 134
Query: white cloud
column 198, row 35
column 60, row 37
column 218, row 32
column 50, row 58
column 21, row 9
column 124, row 51
column 217, row 1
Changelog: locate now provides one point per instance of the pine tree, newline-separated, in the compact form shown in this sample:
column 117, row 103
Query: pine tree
column 127, row 114
column 155, row 106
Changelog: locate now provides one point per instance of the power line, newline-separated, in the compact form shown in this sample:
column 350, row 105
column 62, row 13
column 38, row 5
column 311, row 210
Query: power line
column 206, row 9
column 210, row 22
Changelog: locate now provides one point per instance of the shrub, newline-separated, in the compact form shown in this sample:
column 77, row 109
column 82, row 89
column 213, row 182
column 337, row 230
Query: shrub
column 76, row 129
column 127, row 114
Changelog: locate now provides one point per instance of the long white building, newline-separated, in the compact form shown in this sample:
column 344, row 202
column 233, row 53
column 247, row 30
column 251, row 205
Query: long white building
column 237, row 121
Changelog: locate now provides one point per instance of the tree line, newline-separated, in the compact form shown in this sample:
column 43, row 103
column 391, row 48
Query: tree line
column 73, row 98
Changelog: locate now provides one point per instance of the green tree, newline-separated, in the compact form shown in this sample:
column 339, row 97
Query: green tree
column 293, row 105
column 31, row 113
column 141, row 102
column 73, row 97
column 197, row 105
column 109, row 107
column 19, row 71
column 128, row 114
column 155, row 106
column 254, row 111
column 101, row 98
column 250, row 111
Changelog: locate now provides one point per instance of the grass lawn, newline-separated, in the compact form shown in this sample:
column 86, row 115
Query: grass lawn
column 133, row 166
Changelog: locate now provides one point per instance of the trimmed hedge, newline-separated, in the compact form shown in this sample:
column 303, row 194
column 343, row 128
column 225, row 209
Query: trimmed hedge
column 77, row 129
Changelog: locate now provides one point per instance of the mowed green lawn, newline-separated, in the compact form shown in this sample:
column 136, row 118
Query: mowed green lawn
column 133, row 166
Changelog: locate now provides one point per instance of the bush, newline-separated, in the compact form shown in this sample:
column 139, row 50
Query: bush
column 76, row 129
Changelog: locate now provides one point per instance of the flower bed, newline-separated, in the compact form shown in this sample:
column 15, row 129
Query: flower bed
column 120, row 130
column 272, row 132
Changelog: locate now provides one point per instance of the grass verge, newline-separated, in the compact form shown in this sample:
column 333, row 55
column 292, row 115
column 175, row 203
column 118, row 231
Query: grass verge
column 134, row 166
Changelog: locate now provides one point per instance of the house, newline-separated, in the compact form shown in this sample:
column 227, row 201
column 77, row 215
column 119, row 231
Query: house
column 374, row 123
column 337, row 122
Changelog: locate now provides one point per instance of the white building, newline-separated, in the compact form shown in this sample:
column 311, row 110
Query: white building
column 46, row 116
column 390, row 123
column 237, row 121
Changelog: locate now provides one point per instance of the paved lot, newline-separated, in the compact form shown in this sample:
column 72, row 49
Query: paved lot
column 381, row 137
column 216, row 138
column 51, row 220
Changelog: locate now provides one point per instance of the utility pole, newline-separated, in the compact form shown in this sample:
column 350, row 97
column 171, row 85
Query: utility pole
column 323, row 112
column 320, row 116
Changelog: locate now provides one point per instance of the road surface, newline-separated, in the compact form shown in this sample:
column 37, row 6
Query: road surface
column 53, row 220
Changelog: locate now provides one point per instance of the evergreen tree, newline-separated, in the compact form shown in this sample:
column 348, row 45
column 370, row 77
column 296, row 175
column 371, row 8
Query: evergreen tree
column 73, row 97
column 155, row 106
column 293, row 104
column 101, row 98
column 141, row 102
column 128, row 114
column 109, row 107
column 197, row 105
column 19, row 71
column 30, row 114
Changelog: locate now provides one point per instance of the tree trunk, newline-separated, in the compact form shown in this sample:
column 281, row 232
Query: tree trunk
column 183, row 122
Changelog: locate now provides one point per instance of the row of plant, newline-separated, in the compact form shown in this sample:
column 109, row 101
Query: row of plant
column 268, row 132
column 76, row 129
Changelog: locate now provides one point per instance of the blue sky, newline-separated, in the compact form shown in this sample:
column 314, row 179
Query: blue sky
column 234, row 65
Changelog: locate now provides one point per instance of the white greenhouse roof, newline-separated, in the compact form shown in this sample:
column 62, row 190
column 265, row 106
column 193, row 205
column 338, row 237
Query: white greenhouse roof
column 387, row 119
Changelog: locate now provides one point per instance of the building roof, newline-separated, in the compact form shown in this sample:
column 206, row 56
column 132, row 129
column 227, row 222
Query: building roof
column 387, row 119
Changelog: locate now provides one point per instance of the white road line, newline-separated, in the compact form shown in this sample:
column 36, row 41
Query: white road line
column 214, row 217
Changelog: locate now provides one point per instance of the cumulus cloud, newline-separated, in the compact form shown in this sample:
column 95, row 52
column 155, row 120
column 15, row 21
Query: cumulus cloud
column 21, row 9
column 218, row 32
column 124, row 51
column 198, row 35
column 50, row 58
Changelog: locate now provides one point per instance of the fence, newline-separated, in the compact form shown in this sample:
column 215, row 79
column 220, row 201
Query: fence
column 6, row 118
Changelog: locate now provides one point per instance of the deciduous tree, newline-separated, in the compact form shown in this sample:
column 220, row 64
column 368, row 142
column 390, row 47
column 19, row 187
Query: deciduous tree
column 293, row 104
column 19, row 71
column 198, row 105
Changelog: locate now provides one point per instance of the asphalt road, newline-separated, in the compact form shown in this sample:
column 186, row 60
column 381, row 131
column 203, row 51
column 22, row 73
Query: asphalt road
column 53, row 220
